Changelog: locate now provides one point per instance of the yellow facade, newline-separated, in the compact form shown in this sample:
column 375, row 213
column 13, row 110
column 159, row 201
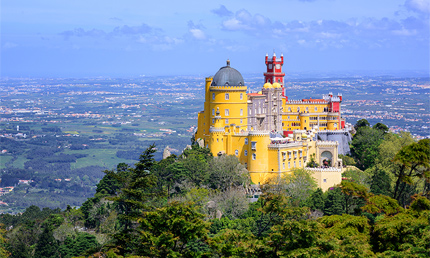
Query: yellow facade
column 225, row 127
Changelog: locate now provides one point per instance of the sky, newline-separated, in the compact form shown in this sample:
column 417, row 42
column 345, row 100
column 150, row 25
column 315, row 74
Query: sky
column 90, row 38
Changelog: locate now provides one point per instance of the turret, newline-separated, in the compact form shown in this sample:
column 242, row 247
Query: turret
column 274, row 72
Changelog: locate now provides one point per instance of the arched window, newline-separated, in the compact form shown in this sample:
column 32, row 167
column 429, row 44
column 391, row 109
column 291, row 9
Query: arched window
column 236, row 152
column 241, row 96
column 298, row 109
column 246, row 140
column 254, row 156
column 246, row 153
column 227, row 96
column 213, row 95
column 213, row 111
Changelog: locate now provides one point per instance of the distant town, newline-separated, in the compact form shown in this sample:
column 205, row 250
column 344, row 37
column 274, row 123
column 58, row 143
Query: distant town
column 58, row 135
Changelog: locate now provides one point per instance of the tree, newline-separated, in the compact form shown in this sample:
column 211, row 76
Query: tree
column 47, row 246
column 381, row 183
column 316, row 200
column 299, row 185
column 334, row 202
column 170, row 231
column 227, row 172
column 3, row 251
column 364, row 146
column 358, row 176
column 381, row 127
column 383, row 172
column 414, row 161
column 134, row 198
column 347, row 160
column 361, row 123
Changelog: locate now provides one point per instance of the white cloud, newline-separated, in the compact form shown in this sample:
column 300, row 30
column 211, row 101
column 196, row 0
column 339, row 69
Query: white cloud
column 422, row 6
column 8, row 45
column 198, row 34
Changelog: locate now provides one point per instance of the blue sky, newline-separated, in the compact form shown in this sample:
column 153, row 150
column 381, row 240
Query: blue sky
column 130, row 38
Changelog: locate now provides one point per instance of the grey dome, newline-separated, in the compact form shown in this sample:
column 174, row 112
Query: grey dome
column 228, row 76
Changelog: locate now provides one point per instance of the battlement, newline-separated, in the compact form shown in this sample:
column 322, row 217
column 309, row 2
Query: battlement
column 323, row 170
column 327, row 143
column 293, row 101
column 216, row 130
column 340, row 131
column 285, row 145
column 228, row 88
column 259, row 133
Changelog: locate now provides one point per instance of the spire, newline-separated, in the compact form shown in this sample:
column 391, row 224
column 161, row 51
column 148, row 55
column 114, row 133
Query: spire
column 228, row 62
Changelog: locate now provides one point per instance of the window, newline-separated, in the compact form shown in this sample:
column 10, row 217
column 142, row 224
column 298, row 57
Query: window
column 298, row 109
column 213, row 95
column 246, row 153
column 253, row 145
column 213, row 111
column 254, row 156
column 289, row 165
column 294, row 164
column 289, row 109
column 226, row 121
column 241, row 120
column 307, row 109
column 246, row 165
column 300, row 163
column 227, row 112
column 241, row 96
column 213, row 121
column 325, row 180
column 270, row 67
column 246, row 140
column 236, row 152
column 316, row 109
column 284, row 155
column 241, row 112
column 283, row 165
column 279, row 80
column 227, row 96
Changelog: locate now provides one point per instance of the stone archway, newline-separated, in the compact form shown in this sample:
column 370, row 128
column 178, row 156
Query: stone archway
column 326, row 155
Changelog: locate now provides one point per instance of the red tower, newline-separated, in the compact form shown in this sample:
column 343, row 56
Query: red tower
column 274, row 70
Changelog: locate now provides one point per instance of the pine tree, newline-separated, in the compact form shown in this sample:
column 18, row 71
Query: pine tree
column 333, row 204
column 47, row 246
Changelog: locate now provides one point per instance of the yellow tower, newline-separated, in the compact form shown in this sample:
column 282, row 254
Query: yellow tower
column 258, row 156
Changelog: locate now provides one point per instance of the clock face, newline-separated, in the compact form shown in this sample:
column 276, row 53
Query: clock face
column 278, row 66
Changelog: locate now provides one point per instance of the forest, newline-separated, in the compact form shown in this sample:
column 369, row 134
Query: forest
column 197, row 205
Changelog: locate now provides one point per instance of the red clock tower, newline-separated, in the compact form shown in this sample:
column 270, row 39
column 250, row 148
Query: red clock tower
column 274, row 70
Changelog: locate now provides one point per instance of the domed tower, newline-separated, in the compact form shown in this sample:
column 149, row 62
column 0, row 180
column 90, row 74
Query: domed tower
column 226, row 100
column 228, row 95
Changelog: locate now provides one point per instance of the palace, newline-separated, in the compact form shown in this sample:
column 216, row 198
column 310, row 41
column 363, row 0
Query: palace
column 270, row 134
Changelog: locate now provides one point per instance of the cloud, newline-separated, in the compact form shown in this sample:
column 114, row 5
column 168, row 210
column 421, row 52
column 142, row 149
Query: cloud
column 222, row 11
column 132, row 30
column 420, row 6
column 117, row 31
column 196, row 30
column 243, row 20
column 365, row 32
column 8, row 45
column 79, row 32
